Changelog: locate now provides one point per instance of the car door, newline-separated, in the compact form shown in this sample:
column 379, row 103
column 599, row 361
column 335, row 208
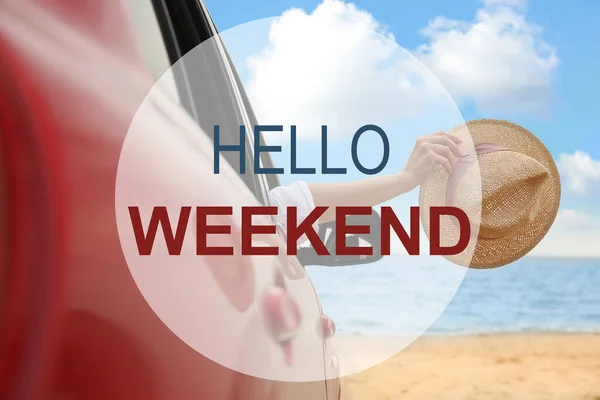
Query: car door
column 186, row 24
column 73, row 83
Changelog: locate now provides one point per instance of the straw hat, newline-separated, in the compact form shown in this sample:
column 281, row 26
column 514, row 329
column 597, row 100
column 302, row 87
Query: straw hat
column 508, row 185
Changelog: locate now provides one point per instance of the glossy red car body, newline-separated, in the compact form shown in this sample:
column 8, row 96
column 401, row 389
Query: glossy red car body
column 73, row 324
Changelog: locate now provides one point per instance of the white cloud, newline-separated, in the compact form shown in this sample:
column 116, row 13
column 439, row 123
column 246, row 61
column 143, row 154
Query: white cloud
column 578, row 170
column 575, row 221
column 341, row 67
column 573, row 234
column 499, row 60
column 336, row 66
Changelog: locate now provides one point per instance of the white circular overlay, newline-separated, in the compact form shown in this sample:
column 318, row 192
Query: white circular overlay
column 305, row 74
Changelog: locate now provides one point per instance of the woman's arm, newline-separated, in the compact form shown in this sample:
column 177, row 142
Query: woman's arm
column 366, row 192
column 438, row 148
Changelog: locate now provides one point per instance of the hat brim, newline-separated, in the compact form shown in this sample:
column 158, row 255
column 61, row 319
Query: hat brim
column 491, row 253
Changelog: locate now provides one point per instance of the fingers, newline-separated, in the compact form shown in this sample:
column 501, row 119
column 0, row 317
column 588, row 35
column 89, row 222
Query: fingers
column 443, row 161
column 447, row 141
column 440, row 150
column 451, row 136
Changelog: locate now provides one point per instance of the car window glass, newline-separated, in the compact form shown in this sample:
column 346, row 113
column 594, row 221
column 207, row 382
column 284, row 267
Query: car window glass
column 151, row 44
column 216, row 105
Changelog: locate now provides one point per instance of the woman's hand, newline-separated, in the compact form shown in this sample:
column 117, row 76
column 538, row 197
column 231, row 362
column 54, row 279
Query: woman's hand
column 438, row 148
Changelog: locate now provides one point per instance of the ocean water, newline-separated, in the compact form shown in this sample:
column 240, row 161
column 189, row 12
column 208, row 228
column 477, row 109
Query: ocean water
column 400, row 295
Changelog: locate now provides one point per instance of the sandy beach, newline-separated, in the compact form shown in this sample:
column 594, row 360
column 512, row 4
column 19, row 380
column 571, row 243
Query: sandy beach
column 486, row 367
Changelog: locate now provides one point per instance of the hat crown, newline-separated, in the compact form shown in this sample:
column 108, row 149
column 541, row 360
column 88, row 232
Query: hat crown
column 512, row 187
column 508, row 185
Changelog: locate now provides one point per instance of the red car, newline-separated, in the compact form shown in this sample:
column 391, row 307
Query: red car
column 73, row 323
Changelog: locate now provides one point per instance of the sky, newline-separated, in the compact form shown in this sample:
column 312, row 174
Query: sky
column 423, row 66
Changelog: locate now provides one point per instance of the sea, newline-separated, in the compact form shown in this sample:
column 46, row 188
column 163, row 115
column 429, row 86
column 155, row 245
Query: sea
column 407, row 295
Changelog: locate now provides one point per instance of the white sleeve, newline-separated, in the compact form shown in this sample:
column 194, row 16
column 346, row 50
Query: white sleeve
column 296, row 194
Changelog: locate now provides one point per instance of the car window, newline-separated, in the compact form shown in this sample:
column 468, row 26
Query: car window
column 152, row 45
column 212, row 93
